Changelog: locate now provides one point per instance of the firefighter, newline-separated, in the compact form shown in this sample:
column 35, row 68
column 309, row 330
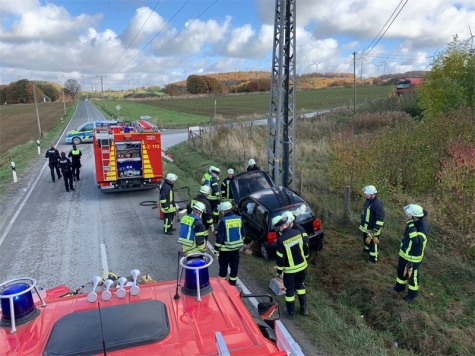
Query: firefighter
column 215, row 195
column 229, row 240
column 252, row 166
column 293, row 225
column 226, row 192
column 53, row 155
column 290, row 257
column 207, row 216
column 66, row 168
column 372, row 220
column 411, row 252
column 192, row 230
column 206, row 180
column 75, row 156
column 167, row 203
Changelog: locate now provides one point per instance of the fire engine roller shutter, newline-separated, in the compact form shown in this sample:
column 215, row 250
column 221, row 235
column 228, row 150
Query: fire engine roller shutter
column 124, row 326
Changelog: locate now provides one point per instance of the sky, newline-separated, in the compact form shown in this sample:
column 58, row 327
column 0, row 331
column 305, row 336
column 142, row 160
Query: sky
column 142, row 43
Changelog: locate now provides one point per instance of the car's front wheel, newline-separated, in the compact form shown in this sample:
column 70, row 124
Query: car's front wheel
column 77, row 140
column 265, row 252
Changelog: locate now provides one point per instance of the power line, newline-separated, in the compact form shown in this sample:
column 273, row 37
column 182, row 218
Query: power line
column 389, row 24
column 151, row 12
column 176, row 13
column 171, row 39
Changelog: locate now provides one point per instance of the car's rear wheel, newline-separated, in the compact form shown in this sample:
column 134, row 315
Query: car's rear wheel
column 77, row 140
column 265, row 252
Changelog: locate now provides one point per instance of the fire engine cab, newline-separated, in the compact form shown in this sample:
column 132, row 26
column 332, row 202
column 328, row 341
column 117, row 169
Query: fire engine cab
column 127, row 157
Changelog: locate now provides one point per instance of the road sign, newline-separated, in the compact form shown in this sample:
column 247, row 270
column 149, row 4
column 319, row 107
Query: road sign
column 118, row 107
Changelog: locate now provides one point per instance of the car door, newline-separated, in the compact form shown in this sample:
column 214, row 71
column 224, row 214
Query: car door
column 86, row 132
column 247, row 209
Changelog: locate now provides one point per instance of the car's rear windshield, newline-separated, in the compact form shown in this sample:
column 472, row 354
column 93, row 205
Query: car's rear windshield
column 301, row 212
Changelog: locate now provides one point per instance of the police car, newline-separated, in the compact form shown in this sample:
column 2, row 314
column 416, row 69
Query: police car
column 84, row 132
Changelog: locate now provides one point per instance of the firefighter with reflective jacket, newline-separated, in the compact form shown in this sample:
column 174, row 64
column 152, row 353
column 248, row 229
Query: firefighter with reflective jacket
column 372, row 220
column 226, row 192
column 53, row 155
column 75, row 156
column 167, row 203
column 66, row 168
column 290, row 257
column 206, row 180
column 215, row 195
column 411, row 252
column 293, row 225
column 229, row 240
column 192, row 230
column 252, row 166
column 207, row 216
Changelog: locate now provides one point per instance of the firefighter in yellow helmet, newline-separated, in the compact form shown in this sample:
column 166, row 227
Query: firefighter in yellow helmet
column 372, row 220
column 192, row 230
column 290, row 257
column 411, row 252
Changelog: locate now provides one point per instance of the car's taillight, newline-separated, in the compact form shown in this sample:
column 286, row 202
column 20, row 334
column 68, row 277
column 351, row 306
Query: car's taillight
column 271, row 237
column 316, row 225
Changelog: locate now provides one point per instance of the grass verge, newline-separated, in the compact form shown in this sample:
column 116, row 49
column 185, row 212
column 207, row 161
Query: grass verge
column 352, row 310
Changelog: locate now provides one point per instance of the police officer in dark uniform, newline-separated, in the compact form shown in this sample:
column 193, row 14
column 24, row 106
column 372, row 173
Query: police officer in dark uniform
column 411, row 252
column 372, row 220
column 229, row 240
column 191, row 234
column 66, row 168
column 290, row 257
column 53, row 155
column 167, row 203
column 75, row 156
column 207, row 216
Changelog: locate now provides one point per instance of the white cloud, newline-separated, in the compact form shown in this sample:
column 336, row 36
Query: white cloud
column 151, row 22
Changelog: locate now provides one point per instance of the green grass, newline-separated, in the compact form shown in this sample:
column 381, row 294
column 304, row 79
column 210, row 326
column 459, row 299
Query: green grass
column 25, row 154
column 351, row 310
column 235, row 106
column 163, row 118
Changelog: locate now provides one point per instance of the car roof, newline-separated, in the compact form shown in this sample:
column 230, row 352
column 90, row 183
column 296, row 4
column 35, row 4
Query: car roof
column 250, row 182
column 276, row 198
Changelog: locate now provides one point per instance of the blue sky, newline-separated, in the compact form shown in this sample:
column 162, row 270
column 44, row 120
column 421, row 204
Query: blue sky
column 58, row 40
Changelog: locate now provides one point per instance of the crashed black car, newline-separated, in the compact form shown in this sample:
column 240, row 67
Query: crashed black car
column 259, row 200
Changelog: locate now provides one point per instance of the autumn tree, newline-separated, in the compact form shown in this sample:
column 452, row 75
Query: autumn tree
column 171, row 89
column 153, row 88
column 253, row 86
column 213, row 85
column 72, row 87
column 195, row 84
column 451, row 81
column 50, row 91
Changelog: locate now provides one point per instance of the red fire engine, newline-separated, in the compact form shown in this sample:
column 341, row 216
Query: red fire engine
column 201, row 316
column 127, row 157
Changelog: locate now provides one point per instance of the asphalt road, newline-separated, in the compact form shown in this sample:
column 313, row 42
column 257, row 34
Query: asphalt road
column 66, row 238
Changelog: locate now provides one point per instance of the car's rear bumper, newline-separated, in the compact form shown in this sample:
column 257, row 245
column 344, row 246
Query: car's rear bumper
column 315, row 239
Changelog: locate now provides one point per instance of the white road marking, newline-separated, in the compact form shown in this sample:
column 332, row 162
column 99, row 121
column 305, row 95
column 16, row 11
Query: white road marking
column 105, row 265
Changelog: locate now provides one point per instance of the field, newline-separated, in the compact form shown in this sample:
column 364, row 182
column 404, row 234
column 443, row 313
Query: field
column 163, row 118
column 235, row 106
column 19, row 124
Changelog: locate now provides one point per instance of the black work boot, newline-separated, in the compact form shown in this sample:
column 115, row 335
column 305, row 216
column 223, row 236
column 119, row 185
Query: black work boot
column 289, row 314
column 303, row 304
column 304, row 309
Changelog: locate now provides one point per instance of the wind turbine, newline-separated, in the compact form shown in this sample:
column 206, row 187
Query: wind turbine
column 362, row 58
column 19, row 76
column 378, row 68
column 312, row 64
column 471, row 38
column 385, row 64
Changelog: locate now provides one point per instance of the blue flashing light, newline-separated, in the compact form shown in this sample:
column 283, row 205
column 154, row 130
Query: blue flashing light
column 23, row 305
column 190, row 276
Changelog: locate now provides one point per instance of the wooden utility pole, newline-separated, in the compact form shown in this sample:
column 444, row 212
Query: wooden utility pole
column 37, row 113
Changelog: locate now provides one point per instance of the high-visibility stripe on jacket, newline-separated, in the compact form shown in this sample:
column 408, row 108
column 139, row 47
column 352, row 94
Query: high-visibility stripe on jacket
column 291, row 251
column 167, row 198
column 372, row 217
column 206, row 180
column 215, row 192
column 226, row 192
column 230, row 234
column 414, row 241
column 192, row 234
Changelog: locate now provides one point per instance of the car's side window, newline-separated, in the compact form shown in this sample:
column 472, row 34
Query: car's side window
column 87, row 128
column 248, row 206
column 260, row 215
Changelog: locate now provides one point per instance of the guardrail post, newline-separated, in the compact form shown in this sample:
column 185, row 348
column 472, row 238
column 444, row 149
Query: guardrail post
column 38, row 144
column 14, row 172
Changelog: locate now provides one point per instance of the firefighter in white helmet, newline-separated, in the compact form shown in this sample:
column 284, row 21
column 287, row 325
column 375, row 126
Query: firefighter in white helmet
column 229, row 240
column 252, row 165
column 167, row 203
column 411, row 252
column 372, row 220
column 207, row 216
column 192, row 230
column 226, row 192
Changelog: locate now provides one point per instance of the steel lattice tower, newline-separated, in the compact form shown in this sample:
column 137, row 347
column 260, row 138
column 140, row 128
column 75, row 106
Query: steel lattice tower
column 280, row 144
